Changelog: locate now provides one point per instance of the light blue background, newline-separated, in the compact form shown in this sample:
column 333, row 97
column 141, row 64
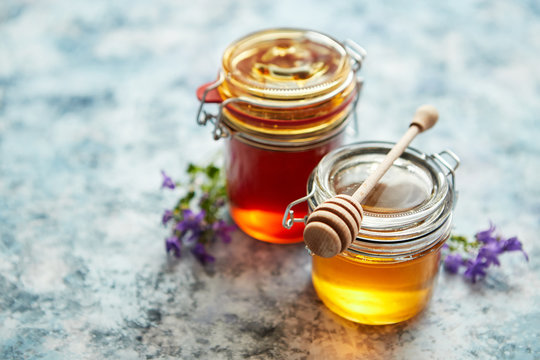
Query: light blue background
column 96, row 97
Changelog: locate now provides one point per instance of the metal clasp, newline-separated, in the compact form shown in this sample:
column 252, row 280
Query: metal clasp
column 451, row 168
column 288, row 218
column 358, row 54
column 203, row 117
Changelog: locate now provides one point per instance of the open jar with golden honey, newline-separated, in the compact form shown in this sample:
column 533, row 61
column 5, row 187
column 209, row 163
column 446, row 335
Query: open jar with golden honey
column 388, row 272
column 285, row 97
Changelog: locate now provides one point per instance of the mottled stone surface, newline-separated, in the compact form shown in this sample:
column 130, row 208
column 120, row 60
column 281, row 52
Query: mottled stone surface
column 97, row 96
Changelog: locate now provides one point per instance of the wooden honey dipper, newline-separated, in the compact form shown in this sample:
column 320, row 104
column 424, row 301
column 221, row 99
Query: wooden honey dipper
column 334, row 224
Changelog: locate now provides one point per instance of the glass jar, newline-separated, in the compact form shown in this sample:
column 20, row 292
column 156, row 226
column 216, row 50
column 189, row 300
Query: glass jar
column 388, row 272
column 285, row 97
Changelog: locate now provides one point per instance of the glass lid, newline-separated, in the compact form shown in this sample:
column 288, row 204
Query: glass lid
column 414, row 191
column 285, row 64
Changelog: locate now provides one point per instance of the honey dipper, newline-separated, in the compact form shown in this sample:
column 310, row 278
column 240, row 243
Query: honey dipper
column 334, row 224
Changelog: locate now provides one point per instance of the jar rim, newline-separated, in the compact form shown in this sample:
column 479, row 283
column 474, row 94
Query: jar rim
column 400, row 231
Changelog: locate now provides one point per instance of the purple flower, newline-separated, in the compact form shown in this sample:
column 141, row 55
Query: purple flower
column 486, row 236
column 476, row 268
column 485, row 252
column 222, row 230
column 191, row 221
column 172, row 244
column 490, row 252
column 199, row 251
column 167, row 181
column 513, row 244
column 191, row 226
column 452, row 262
column 167, row 215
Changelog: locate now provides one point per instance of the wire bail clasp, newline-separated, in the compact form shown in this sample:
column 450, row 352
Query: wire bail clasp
column 204, row 117
column 450, row 167
column 358, row 55
column 356, row 52
column 288, row 217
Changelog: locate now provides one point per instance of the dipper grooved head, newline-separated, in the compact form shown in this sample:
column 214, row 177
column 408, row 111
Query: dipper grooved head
column 333, row 226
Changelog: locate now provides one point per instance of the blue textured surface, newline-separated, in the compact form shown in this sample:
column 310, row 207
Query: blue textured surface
column 97, row 96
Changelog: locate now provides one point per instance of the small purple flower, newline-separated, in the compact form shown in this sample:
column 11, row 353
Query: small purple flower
column 452, row 262
column 167, row 181
column 491, row 246
column 513, row 244
column 191, row 221
column 476, row 268
column 490, row 252
column 487, row 236
column 172, row 244
column 223, row 230
column 167, row 215
column 199, row 251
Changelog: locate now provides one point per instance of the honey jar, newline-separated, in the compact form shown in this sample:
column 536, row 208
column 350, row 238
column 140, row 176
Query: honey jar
column 284, row 98
column 388, row 273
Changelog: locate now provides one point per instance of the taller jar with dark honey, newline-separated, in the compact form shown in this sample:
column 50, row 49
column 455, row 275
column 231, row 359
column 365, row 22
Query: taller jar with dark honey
column 285, row 98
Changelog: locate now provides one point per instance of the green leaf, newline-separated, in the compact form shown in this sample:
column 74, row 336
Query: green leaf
column 193, row 169
column 186, row 200
column 457, row 242
column 212, row 171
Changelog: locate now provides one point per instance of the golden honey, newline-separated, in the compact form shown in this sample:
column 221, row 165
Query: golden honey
column 388, row 273
column 286, row 98
column 374, row 291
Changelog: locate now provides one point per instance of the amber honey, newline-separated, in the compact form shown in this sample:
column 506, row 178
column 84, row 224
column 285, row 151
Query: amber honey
column 259, row 187
column 287, row 96
column 374, row 291
column 387, row 275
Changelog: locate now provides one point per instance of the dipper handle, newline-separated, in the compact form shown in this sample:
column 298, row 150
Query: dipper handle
column 425, row 117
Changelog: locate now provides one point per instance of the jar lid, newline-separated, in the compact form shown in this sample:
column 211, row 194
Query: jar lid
column 283, row 88
column 412, row 199
column 285, row 64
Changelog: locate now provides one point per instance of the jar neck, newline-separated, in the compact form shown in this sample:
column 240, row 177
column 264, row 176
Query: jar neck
column 283, row 141
column 401, row 249
column 286, row 145
column 289, row 119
